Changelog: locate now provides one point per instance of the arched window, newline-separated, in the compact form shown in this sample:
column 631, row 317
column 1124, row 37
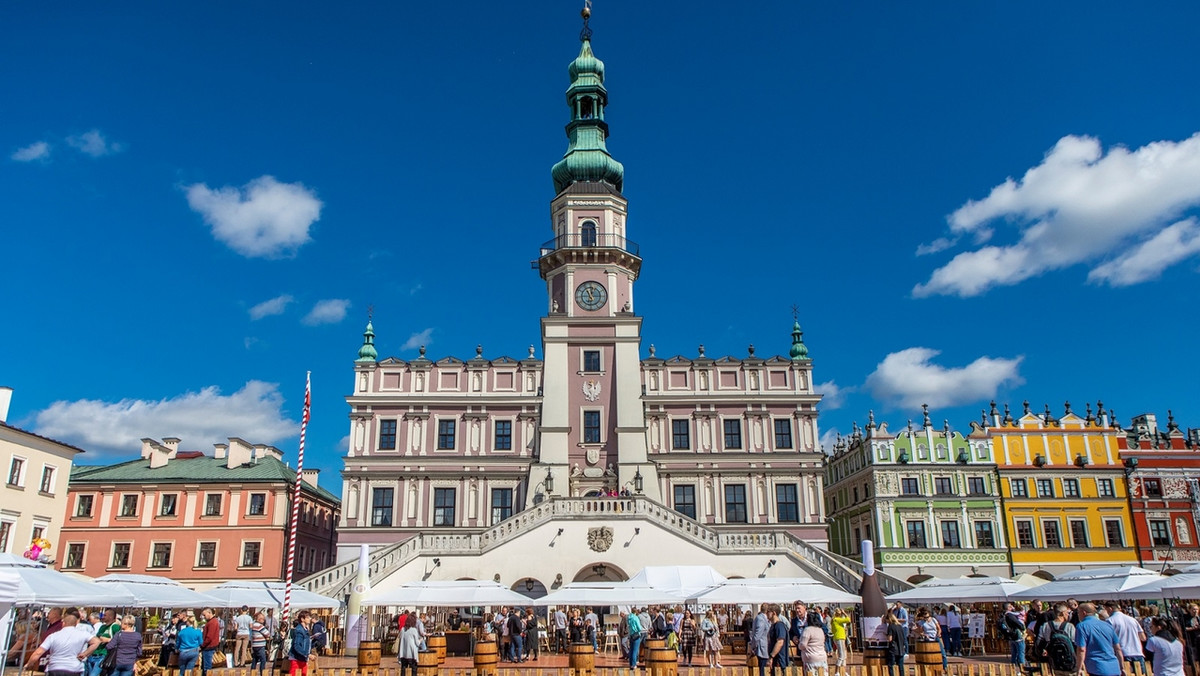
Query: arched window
column 587, row 233
column 585, row 108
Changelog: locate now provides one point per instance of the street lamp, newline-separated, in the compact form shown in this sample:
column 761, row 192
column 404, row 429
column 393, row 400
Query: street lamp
column 549, row 482
column 637, row 481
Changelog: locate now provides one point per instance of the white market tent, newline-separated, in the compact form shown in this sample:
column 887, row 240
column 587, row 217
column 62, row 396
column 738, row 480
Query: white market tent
column 606, row 594
column 966, row 589
column 1093, row 584
column 448, row 593
column 265, row 595
column 681, row 581
column 1182, row 586
column 150, row 591
column 46, row 586
column 780, row 589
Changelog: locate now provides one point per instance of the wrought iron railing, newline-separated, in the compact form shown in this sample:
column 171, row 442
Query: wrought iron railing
column 590, row 241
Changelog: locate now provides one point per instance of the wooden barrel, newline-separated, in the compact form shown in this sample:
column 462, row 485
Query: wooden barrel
column 875, row 659
column 928, row 657
column 437, row 643
column 581, row 657
column 487, row 656
column 649, row 643
column 427, row 663
column 368, row 653
column 663, row 662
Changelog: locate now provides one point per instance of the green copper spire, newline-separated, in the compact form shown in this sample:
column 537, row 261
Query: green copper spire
column 367, row 352
column 798, row 351
column 587, row 157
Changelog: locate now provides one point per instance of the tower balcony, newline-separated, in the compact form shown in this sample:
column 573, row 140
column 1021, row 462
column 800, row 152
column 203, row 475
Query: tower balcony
column 587, row 247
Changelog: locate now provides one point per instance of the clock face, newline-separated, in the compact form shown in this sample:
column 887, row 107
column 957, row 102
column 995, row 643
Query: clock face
column 591, row 296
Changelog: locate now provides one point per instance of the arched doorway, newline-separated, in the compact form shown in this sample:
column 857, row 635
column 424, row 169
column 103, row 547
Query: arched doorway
column 1045, row 575
column 600, row 572
column 918, row 579
column 530, row 587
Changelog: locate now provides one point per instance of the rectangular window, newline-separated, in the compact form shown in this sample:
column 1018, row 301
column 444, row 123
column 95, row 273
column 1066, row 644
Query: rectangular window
column 950, row 534
column 74, row 555
column 1105, row 488
column 591, row 427
column 381, row 506
column 1153, row 488
column 207, row 556
column 735, row 503
column 1079, row 534
column 251, row 554
column 783, row 433
column 786, row 503
column 1114, row 535
column 984, row 536
column 1045, row 488
column 120, row 556
column 733, row 434
column 591, row 361
column 443, row 506
column 1071, row 488
column 15, row 470
column 975, row 485
column 258, row 504
column 1025, row 534
column 916, row 533
column 84, row 504
column 910, row 486
column 1019, row 487
column 160, row 555
column 212, row 504
column 942, row 486
column 1051, row 536
column 167, row 508
column 502, row 500
column 129, row 504
column 387, row 435
column 681, row 434
column 445, row 435
column 5, row 534
column 503, row 435
column 685, row 500
column 47, row 485
column 1160, row 533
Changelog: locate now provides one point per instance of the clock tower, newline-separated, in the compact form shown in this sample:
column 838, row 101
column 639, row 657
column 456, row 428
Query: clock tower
column 592, row 437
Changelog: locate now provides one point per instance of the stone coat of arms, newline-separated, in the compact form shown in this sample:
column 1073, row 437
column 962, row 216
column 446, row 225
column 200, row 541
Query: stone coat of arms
column 600, row 539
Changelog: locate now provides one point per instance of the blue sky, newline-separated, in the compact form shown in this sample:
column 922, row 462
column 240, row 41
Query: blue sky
column 199, row 201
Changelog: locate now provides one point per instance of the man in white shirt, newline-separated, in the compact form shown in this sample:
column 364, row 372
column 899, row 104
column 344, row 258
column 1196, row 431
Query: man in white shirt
column 63, row 648
column 1129, row 634
column 241, row 646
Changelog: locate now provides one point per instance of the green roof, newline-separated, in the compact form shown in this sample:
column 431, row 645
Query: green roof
column 189, row 468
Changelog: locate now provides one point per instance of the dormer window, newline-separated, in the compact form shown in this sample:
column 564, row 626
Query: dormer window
column 587, row 233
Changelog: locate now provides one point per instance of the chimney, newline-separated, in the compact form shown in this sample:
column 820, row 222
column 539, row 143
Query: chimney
column 240, row 453
column 272, row 452
column 147, row 448
column 5, row 400
column 160, row 455
column 171, row 443
column 309, row 476
column 219, row 451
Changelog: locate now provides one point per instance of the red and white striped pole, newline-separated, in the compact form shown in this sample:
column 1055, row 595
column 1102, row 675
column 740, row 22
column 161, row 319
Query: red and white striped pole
column 291, row 553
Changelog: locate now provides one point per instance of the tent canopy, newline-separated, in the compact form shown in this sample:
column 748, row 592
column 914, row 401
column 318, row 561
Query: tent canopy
column 1093, row 584
column 966, row 589
column 150, row 591
column 779, row 589
column 50, row 587
column 448, row 593
column 1182, row 586
column 265, row 595
column 606, row 594
column 681, row 581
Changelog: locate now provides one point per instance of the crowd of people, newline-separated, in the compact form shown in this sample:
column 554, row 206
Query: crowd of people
column 70, row 642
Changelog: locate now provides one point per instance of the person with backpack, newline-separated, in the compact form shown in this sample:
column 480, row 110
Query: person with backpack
column 1055, row 643
column 1165, row 647
column 1012, row 627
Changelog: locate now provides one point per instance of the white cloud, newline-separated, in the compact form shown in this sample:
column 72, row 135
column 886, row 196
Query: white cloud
column 254, row 413
column 329, row 311
column 1147, row 260
column 38, row 150
column 828, row 439
column 939, row 244
column 262, row 219
column 1079, row 205
column 344, row 445
column 93, row 144
column 268, row 308
column 908, row 378
column 418, row 339
column 834, row 395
